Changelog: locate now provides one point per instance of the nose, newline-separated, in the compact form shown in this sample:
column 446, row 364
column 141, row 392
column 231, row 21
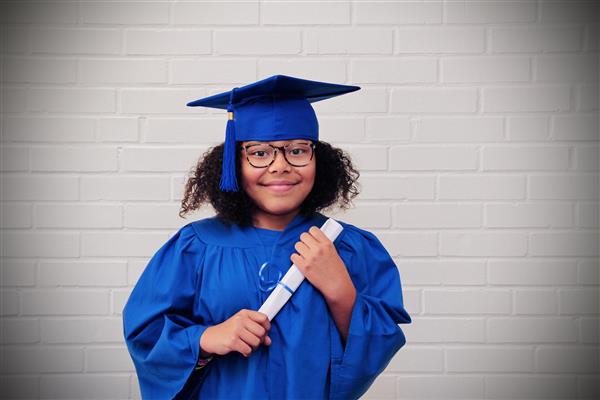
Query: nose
column 279, row 163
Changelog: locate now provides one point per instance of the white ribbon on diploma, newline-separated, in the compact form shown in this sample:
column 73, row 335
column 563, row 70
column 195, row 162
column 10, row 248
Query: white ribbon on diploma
column 293, row 278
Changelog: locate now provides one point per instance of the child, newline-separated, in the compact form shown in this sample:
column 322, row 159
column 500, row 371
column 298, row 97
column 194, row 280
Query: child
column 191, row 323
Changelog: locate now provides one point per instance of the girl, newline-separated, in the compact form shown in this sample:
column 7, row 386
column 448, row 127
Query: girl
column 191, row 324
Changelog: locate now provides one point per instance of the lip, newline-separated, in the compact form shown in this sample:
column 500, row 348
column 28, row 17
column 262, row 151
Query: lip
column 280, row 185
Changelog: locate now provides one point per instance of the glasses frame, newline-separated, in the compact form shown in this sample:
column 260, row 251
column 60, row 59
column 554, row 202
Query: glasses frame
column 276, row 149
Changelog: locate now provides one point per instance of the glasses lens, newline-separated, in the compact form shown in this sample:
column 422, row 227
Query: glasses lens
column 260, row 155
column 298, row 153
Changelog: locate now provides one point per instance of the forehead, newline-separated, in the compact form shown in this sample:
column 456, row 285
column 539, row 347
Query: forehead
column 276, row 142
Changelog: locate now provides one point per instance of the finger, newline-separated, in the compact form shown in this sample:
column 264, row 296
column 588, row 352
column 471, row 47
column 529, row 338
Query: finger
column 268, row 341
column 309, row 240
column 250, row 339
column 257, row 329
column 297, row 259
column 261, row 318
column 301, row 248
column 318, row 234
column 242, row 347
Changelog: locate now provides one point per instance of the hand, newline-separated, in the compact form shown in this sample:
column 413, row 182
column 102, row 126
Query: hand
column 243, row 332
column 320, row 263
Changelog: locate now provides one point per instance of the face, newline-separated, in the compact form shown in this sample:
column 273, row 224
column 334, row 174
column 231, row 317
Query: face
column 280, row 188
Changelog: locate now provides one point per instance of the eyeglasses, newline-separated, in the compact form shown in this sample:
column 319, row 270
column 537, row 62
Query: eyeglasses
column 297, row 154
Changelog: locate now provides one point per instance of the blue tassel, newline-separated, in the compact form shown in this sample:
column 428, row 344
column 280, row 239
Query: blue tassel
column 228, row 181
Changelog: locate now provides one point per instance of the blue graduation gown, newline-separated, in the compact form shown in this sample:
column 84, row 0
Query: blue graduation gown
column 208, row 271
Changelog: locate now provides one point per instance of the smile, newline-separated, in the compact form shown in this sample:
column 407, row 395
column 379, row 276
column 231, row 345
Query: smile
column 280, row 187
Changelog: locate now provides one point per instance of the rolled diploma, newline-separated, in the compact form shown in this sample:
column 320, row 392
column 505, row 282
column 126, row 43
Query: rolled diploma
column 293, row 278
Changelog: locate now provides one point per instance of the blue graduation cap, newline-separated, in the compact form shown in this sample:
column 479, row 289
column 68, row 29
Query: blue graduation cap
column 275, row 108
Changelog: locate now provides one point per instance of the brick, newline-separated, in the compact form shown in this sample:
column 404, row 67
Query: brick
column 9, row 304
column 38, row 188
column 134, row 271
column 528, row 128
column 588, row 386
column 561, row 360
column 485, row 69
column 438, row 387
column 75, row 41
column 41, row 360
column 483, row 244
column 215, row 13
column 571, row 68
column 125, row 188
column 563, row 187
column 511, row 158
column 476, row 359
column 588, row 272
column 20, row 387
column 467, row 301
column 526, row 99
column 122, row 71
column 184, row 130
column 578, row 301
column 589, row 330
column 16, row 215
column 82, row 274
column 587, row 98
column 40, row 244
column 163, row 159
column 72, row 100
column 156, row 101
column 16, row 40
column 178, row 42
column 383, row 388
column 417, row 359
column 13, row 99
column 299, row 13
column 129, row 244
column 118, row 129
column 446, row 330
column 341, row 130
column 398, row 13
column 369, row 158
column 530, row 272
column 119, row 298
column 535, row 39
column 444, row 39
column 108, row 359
column 490, row 12
column 78, row 159
column 366, row 215
column 530, row 387
column 263, row 41
column 209, row 70
column 65, row 302
column 412, row 302
column 391, row 187
column 532, row 330
column 363, row 101
column 485, row 187
column 388, row 129
column 17, row 273
column 404, row 70
column 39, row 12
column 164, row 216
column 409, row 244
column 591, row 38
column 44, row 70
column 14, row 159
column 575, row 127
column 438, row 100
column 125, row 13
column 318, row 69
column 433, row 158
column 78, row 216
column 443, row 272
column 586, row 158
column 573, row 11
column 437, row 215
column 82, row 330
column 458, row 129
column 348, row 41
column 41, row 129
column 536, row 302
column 85, row 386
column 20, row 330
column 539, row 215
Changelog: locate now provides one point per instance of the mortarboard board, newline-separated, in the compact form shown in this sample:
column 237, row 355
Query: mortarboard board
column 275, row 108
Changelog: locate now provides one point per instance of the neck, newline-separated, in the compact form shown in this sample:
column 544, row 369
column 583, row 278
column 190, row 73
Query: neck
column 264, row 220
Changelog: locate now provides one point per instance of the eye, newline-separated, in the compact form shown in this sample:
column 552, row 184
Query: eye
column 258, row 153
column 297, row 151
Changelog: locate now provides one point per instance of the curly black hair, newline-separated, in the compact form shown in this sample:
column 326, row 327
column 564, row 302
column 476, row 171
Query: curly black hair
column 335, row 184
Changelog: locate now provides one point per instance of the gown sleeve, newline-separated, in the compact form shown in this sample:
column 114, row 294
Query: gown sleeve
column 374, row 335
column 160, row 328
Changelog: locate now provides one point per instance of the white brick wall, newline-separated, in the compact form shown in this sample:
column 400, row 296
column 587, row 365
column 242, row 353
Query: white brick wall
column 475, row 132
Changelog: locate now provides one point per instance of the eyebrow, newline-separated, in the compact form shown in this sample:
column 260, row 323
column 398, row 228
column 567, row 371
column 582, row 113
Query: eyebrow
column 253, row 142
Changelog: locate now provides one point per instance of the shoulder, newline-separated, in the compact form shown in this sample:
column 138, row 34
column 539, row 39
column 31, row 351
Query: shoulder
column 213, row 231
column 357, row 238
